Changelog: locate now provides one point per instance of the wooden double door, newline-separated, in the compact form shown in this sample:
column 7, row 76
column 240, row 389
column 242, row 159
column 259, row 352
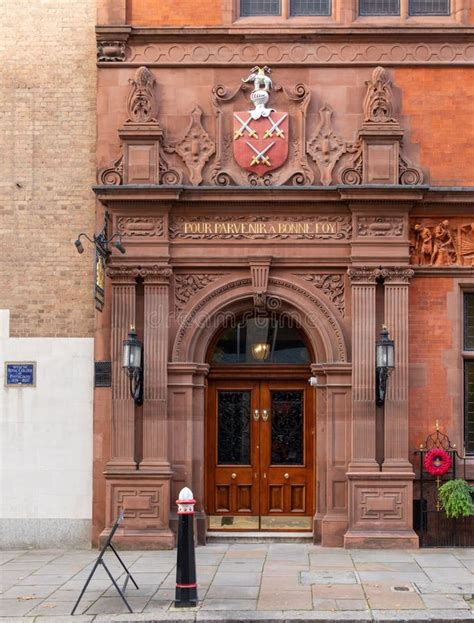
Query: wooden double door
column 260, row 455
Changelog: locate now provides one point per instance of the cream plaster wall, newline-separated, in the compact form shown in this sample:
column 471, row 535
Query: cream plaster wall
column 46, row 443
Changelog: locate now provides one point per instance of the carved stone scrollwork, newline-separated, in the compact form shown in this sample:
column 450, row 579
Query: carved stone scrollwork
column 364, row 275
column 168, row 175
column 352, row 174
column 195, row 148
column 140, row 227
column 187, row 285
column 260, row 180
column 141, row 104
column 110, row 51
column 112, row 176
column 331, row 285
column 378, row 102
column 325, row 148
column 409, row 174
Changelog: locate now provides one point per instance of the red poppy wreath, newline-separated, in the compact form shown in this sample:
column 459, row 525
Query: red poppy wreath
column 437, row 462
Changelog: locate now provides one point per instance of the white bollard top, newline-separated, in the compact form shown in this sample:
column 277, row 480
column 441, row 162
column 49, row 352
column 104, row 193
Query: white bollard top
column 185, row 494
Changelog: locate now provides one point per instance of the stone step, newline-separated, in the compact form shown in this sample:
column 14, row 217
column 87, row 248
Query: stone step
column 259, row 537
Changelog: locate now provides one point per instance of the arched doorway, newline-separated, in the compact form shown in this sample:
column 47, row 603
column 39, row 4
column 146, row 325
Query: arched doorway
column 260, row 428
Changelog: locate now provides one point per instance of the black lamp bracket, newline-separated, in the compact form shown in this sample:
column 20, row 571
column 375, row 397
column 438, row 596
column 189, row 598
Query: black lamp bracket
column 136, row 385
column 381, row 377
column 100, row 240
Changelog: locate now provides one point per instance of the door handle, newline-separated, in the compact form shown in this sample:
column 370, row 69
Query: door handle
column 234, row 476
column 265, row 415
column 256, row 415
column 286, row 476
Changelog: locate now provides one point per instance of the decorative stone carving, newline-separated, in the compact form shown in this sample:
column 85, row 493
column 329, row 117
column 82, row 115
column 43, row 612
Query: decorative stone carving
column 112, row 176
column 378, row 101
column 442, row 243
column 187, row 285
column 259, row 271
column 155, row 273
column 110, row 51
column 195, row 148
column 364, row 274
column 123, row 273
column 138, row 226
column 261, row 227
column 141, row 104
column 374, row 226
column 377, row 157
column 397, row 275
column 325, row 148
column 330, row 285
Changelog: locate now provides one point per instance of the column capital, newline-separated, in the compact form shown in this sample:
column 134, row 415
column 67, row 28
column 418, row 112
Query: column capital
column 157, row 274
column 123, row 273
column 397, row 275
column 363, row 275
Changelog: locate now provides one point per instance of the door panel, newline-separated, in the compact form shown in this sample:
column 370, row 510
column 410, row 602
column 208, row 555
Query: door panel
column 260, row 444
column 232, row 449
column 287, row 446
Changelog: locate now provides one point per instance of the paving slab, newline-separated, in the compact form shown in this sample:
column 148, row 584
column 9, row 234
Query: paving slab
column 327, row 577
column 228, row 604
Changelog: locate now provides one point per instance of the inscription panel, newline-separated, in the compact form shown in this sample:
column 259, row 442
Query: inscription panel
column 261, row 227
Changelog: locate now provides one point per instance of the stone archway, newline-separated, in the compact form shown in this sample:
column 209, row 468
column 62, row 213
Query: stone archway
column 187, row 371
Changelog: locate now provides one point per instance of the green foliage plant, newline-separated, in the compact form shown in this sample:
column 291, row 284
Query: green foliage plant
column 455, row 497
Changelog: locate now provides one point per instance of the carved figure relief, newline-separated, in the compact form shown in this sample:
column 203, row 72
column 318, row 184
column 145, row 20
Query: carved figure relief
column 260, row 138
column 390, row 226
column 331, row 286
column 325, row 148
column 141, row 105
column 443, row 243
column 187, row 285
column 195, row 148
column 378, row 102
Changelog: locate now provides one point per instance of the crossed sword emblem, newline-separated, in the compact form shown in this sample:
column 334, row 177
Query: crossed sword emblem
column 245, row 127
column 260, row 156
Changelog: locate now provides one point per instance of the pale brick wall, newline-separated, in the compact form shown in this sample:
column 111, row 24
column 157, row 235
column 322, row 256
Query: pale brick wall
column 47, row 164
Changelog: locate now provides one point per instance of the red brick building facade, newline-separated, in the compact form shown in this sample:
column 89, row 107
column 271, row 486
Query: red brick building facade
column 273, row 222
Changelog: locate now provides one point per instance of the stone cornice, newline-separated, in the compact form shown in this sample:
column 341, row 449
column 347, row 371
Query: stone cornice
column 297, row 45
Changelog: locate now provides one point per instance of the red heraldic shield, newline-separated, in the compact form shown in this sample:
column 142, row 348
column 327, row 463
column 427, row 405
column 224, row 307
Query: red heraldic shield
column 260, row 145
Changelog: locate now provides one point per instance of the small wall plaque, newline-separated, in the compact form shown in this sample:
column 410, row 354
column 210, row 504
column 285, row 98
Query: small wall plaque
column 103, row 373
column 20, row 374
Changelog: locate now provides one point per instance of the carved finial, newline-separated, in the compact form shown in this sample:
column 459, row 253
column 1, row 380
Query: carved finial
column 378, row 102
column 141, row 105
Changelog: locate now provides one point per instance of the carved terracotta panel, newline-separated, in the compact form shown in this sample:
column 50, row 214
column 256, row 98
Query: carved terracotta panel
column 442, row 242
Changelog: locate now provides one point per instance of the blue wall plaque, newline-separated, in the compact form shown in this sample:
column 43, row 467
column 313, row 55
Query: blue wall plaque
column 20, row 373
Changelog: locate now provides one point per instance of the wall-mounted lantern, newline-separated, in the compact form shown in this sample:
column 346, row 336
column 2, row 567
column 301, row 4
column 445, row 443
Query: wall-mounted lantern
column 385, row 363
column 132, row 358
column 101, row 244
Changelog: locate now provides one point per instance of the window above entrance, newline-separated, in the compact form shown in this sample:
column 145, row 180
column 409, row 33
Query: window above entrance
column 261, row 340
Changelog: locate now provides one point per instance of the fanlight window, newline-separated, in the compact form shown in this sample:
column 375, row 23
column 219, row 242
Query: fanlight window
column 261, row 340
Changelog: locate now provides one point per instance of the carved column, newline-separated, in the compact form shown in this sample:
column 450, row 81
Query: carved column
column 155, row 350
column 396, row 283
column 123, row 408
column 363, row 281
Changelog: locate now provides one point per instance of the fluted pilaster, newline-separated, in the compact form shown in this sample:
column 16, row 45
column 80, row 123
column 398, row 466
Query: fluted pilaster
column 155, row 429
column 396, row 284
column 363, row 282
column 123, row 407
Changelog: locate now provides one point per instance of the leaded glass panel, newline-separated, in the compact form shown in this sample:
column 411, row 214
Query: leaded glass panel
column 287, row 415
column 379, row 7
column 233, row 427
column 469, row 405
column 469, row 322
column 428, row 7
column 310, row 7
column 259, row 7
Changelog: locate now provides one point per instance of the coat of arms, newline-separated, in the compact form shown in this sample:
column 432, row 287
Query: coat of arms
column 260, row 135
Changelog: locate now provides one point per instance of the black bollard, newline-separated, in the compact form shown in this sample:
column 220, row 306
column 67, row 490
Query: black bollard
column 186, row 587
